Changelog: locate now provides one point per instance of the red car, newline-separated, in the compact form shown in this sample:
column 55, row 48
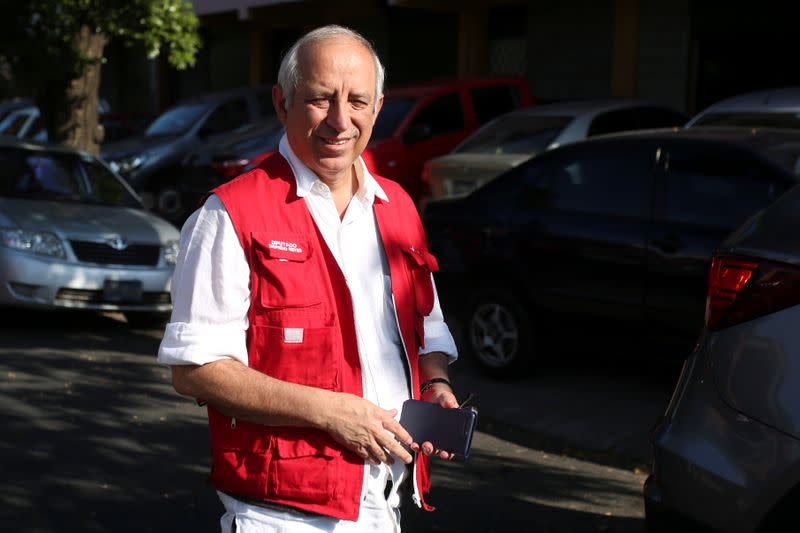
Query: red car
column 419, row 122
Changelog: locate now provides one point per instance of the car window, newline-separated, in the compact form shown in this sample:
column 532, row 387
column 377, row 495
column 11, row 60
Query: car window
column 392, row 113
column 176, row 121
column 13, row 123
column 491, row 102
column 37, row 175
column 227, row 117
column 751, row 119
column 441, row 116
column 605, row 179
column 613, row 121
column 715, row 188
column 657, row 117
column 514, row 134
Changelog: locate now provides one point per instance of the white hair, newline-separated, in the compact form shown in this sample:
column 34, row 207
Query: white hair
column 289, row 72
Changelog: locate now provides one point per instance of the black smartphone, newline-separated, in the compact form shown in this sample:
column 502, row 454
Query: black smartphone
column 447, row 429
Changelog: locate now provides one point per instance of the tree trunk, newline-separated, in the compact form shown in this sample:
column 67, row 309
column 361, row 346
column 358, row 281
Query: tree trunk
column 69, row 109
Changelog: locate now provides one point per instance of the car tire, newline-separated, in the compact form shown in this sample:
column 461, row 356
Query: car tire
column 498, row 333
column 146, row 320
column 169, row 203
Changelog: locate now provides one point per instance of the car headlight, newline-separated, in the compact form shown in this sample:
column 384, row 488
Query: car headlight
column 171, row 250
column 128, row 164
column 35, row 242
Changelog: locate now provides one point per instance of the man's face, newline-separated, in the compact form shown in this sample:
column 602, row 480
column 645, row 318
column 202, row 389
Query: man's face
column 333, row 109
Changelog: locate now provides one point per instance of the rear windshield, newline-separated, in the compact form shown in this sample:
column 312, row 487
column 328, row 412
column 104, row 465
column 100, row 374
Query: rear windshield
column 392, row 113
column 518, row 134
column 35, row 175
column 789, row 120
column 177, row 121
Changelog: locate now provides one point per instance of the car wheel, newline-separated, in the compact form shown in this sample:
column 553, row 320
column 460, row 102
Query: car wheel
column 169, row 203
column 146, row 320
column 499, row 334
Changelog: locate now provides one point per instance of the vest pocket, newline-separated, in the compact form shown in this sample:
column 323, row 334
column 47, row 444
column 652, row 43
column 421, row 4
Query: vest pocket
column 304, row 355
column 421, row 264
column 302, row 468
column 286, row 278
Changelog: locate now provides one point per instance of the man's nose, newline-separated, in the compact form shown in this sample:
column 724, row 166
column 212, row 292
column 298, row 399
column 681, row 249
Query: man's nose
column 339, row 116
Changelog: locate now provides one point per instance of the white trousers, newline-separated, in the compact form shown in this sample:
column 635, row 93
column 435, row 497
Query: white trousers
column 376, row 516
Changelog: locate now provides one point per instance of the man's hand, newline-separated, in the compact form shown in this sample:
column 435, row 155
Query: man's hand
column 371, row 432
column 442, row 394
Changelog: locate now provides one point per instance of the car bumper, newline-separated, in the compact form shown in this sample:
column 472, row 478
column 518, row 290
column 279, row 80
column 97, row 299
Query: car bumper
column 27, row 280
column 713, row 468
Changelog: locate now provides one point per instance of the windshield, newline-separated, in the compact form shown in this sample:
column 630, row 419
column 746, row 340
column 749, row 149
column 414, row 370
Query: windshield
column 515, row 134
column 789, row 119
column 176, row 121
column 35, row 175
column 392, row 113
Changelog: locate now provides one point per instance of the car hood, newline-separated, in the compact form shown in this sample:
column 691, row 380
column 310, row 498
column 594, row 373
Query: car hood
column 86, row 222
column 473, row 166
column 134, row 146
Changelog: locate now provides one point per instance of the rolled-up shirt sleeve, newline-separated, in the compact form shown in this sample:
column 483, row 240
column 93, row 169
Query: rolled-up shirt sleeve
column 210, row 292
column 437, row 334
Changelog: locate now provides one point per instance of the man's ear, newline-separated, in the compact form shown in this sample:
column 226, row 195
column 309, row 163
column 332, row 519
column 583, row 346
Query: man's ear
column 378, row 106
column 279, row 103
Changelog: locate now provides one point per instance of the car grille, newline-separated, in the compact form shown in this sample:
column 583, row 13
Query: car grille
column 89, row 296
column 102, row 254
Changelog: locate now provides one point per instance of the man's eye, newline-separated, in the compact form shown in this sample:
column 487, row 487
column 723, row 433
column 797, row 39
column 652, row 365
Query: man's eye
column 319, row 102
column 359, row 104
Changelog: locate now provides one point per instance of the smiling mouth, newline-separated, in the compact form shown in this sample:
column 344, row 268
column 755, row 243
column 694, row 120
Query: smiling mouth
column 334, row 142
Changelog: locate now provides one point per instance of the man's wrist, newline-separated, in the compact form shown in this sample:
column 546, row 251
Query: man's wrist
column 428, row 385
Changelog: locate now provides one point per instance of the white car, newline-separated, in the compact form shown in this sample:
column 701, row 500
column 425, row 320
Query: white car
column 773, row 108
column 514, row 137
column 74, row 235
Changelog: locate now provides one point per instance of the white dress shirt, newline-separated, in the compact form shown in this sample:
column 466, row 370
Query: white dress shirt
column 211, row 298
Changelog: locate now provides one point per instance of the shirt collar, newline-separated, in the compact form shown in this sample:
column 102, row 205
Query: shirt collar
column 306, row 179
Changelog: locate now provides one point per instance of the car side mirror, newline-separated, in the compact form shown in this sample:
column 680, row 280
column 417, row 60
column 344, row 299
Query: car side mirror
column 416, row 133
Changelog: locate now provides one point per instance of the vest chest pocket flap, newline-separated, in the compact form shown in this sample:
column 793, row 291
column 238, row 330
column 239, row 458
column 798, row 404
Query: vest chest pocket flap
column 285, row 273
column 421, row 264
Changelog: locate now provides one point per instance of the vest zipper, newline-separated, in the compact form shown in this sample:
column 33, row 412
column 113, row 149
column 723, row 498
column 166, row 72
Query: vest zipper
column 416, row 496
column 233, row 423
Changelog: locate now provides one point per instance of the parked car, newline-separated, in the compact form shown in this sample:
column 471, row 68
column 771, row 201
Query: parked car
column 727, row 449
column 419, row 122
column 74, row 235
column 608, row 237
column 771, row 108
column 214, row 163
column 151, row 162
column 510, row 139
column 25, row 121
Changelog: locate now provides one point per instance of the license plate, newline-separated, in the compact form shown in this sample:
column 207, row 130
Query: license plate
column 122, row 291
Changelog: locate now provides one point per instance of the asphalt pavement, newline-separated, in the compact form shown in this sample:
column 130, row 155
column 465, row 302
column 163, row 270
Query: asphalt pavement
column 600, row 408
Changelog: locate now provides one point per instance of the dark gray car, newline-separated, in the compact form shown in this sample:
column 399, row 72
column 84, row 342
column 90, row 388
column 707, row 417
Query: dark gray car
column 727, row 451
column 152, row 162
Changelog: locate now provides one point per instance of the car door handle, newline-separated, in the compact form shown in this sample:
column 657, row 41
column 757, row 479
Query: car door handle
column 669, row 244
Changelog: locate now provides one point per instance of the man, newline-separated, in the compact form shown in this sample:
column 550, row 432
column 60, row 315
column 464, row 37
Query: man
column 305, row 313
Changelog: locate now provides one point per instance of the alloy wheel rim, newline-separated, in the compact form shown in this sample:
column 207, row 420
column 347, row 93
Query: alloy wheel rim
column 494, row 335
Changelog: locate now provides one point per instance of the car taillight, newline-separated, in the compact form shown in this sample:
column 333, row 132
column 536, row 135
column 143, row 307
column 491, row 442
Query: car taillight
column 742, row 289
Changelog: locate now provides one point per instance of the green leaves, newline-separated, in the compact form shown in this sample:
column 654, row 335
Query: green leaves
column 40, row 39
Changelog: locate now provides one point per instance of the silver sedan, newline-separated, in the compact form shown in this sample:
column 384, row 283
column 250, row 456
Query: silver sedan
column 74, row 235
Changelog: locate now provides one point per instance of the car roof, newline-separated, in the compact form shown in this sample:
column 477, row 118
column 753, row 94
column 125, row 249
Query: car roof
column 216, row 96
column 575, row 108
column 8, row 141
column 776, row 99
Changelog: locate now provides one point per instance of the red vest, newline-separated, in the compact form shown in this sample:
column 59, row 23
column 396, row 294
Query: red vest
column 295, row 284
